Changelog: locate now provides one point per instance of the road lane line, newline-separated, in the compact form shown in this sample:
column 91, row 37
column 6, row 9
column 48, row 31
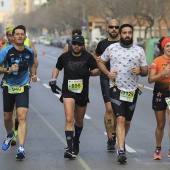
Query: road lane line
column 82, row 162
column 47, row 86
column 128, row 148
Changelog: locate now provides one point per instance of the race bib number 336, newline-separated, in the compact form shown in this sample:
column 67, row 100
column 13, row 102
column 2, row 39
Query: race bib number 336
column 75, row 86
column 127, row 96
column 15, row 89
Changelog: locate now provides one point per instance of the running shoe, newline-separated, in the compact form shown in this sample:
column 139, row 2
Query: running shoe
column 157, row 154
column 121, row 156
column 13, row 141
column 76, row 146
column 7, row 142
column 169, row 153
column 69, row 154
column 20, row 153
column 110, row 145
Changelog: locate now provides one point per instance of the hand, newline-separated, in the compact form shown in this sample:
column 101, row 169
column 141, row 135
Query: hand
column 14, row 67
column 112, row 75
column 34, row 78
column 136, row 70
column 54, row 87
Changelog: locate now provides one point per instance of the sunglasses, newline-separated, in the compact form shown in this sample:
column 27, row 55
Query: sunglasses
column 111, row 27
column 77, row 43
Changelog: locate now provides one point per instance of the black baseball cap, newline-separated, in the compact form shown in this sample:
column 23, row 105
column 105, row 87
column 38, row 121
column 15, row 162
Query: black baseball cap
column 78, row 38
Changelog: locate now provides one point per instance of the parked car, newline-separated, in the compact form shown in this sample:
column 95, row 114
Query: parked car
column 42, row 39
column 55, row 42
column 47, row 41
column 62, row 42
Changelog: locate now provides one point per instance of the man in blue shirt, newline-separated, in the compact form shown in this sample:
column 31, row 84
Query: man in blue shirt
column 18, row 65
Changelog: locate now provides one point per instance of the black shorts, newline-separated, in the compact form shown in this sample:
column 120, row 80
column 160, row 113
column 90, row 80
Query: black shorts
column 104, row 83
column 79, row 98
column 122, row 108
column 21, row 99
column 158, row 101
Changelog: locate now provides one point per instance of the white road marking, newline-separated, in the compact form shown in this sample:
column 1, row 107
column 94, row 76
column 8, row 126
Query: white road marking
column 47, row 86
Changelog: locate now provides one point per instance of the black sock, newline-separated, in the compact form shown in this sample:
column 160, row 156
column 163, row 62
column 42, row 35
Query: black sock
column 78, row 131
column 69, row 139
column 159, row 148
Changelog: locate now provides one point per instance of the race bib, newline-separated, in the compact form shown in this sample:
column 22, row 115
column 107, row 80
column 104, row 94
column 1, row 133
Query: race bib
column 167, row 99
column 15, row 89
column 127, row 96
column 75, row 86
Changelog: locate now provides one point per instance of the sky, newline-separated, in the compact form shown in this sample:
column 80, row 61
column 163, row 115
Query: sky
column 7, row 5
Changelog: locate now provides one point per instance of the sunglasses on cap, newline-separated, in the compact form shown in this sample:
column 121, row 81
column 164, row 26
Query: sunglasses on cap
column 77, row 43
column 111, row 27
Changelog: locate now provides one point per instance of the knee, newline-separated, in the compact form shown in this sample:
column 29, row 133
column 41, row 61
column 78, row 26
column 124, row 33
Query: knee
column 161, row 126
column 79, row 122
column 7, row 117
column 120, row 120
column 21, row 118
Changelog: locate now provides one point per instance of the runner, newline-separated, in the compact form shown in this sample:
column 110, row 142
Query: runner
column 68, row 46
column 16, row 75
column 29, row 44
column 127, row 62
column 109, row 118
column 78, row 66
column 160, row 75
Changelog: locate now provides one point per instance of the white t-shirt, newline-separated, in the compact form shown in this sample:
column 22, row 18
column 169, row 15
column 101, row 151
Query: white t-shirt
column 120, row 61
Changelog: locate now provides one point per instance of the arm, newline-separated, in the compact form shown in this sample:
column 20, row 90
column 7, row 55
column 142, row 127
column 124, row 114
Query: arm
column 31, row 45
column 87, row 48
column 102, row 67
column 95, row 72
column 55, row 73
column 65, row 49
column 33, row 72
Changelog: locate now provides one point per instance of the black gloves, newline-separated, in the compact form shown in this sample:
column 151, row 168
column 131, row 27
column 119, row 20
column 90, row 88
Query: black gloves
column 54, row 87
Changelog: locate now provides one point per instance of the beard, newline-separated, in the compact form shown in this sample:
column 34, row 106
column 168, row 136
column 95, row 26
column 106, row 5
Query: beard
column 126, row 41
column 113, row 36
column 76, row 52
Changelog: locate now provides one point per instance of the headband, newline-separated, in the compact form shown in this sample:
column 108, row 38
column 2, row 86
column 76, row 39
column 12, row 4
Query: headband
column 10, row 29
column 164, row 42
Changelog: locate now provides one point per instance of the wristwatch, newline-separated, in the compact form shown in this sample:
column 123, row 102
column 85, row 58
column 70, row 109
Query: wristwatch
column 8, row 70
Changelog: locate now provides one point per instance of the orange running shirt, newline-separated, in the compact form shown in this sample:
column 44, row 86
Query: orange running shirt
column 159, row 64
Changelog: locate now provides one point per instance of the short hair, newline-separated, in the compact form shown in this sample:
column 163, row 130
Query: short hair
column 22, row 27
column 76, row 31
column 125, row 25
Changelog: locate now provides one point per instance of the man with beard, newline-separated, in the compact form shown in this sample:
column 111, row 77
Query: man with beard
column 78, row 66
column 109, row 118
column 127, row 62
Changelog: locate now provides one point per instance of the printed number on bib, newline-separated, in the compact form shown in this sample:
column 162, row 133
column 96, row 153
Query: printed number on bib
column 167, row 99
column 127, row 96
column 75, row 86
column 15, row 89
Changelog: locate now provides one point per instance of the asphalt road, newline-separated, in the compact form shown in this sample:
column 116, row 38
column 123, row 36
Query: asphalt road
column 45, row 141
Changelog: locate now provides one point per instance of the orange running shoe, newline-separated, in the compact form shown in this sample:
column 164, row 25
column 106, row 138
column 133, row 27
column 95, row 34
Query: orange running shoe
column 169, row 153
column 157, row 154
